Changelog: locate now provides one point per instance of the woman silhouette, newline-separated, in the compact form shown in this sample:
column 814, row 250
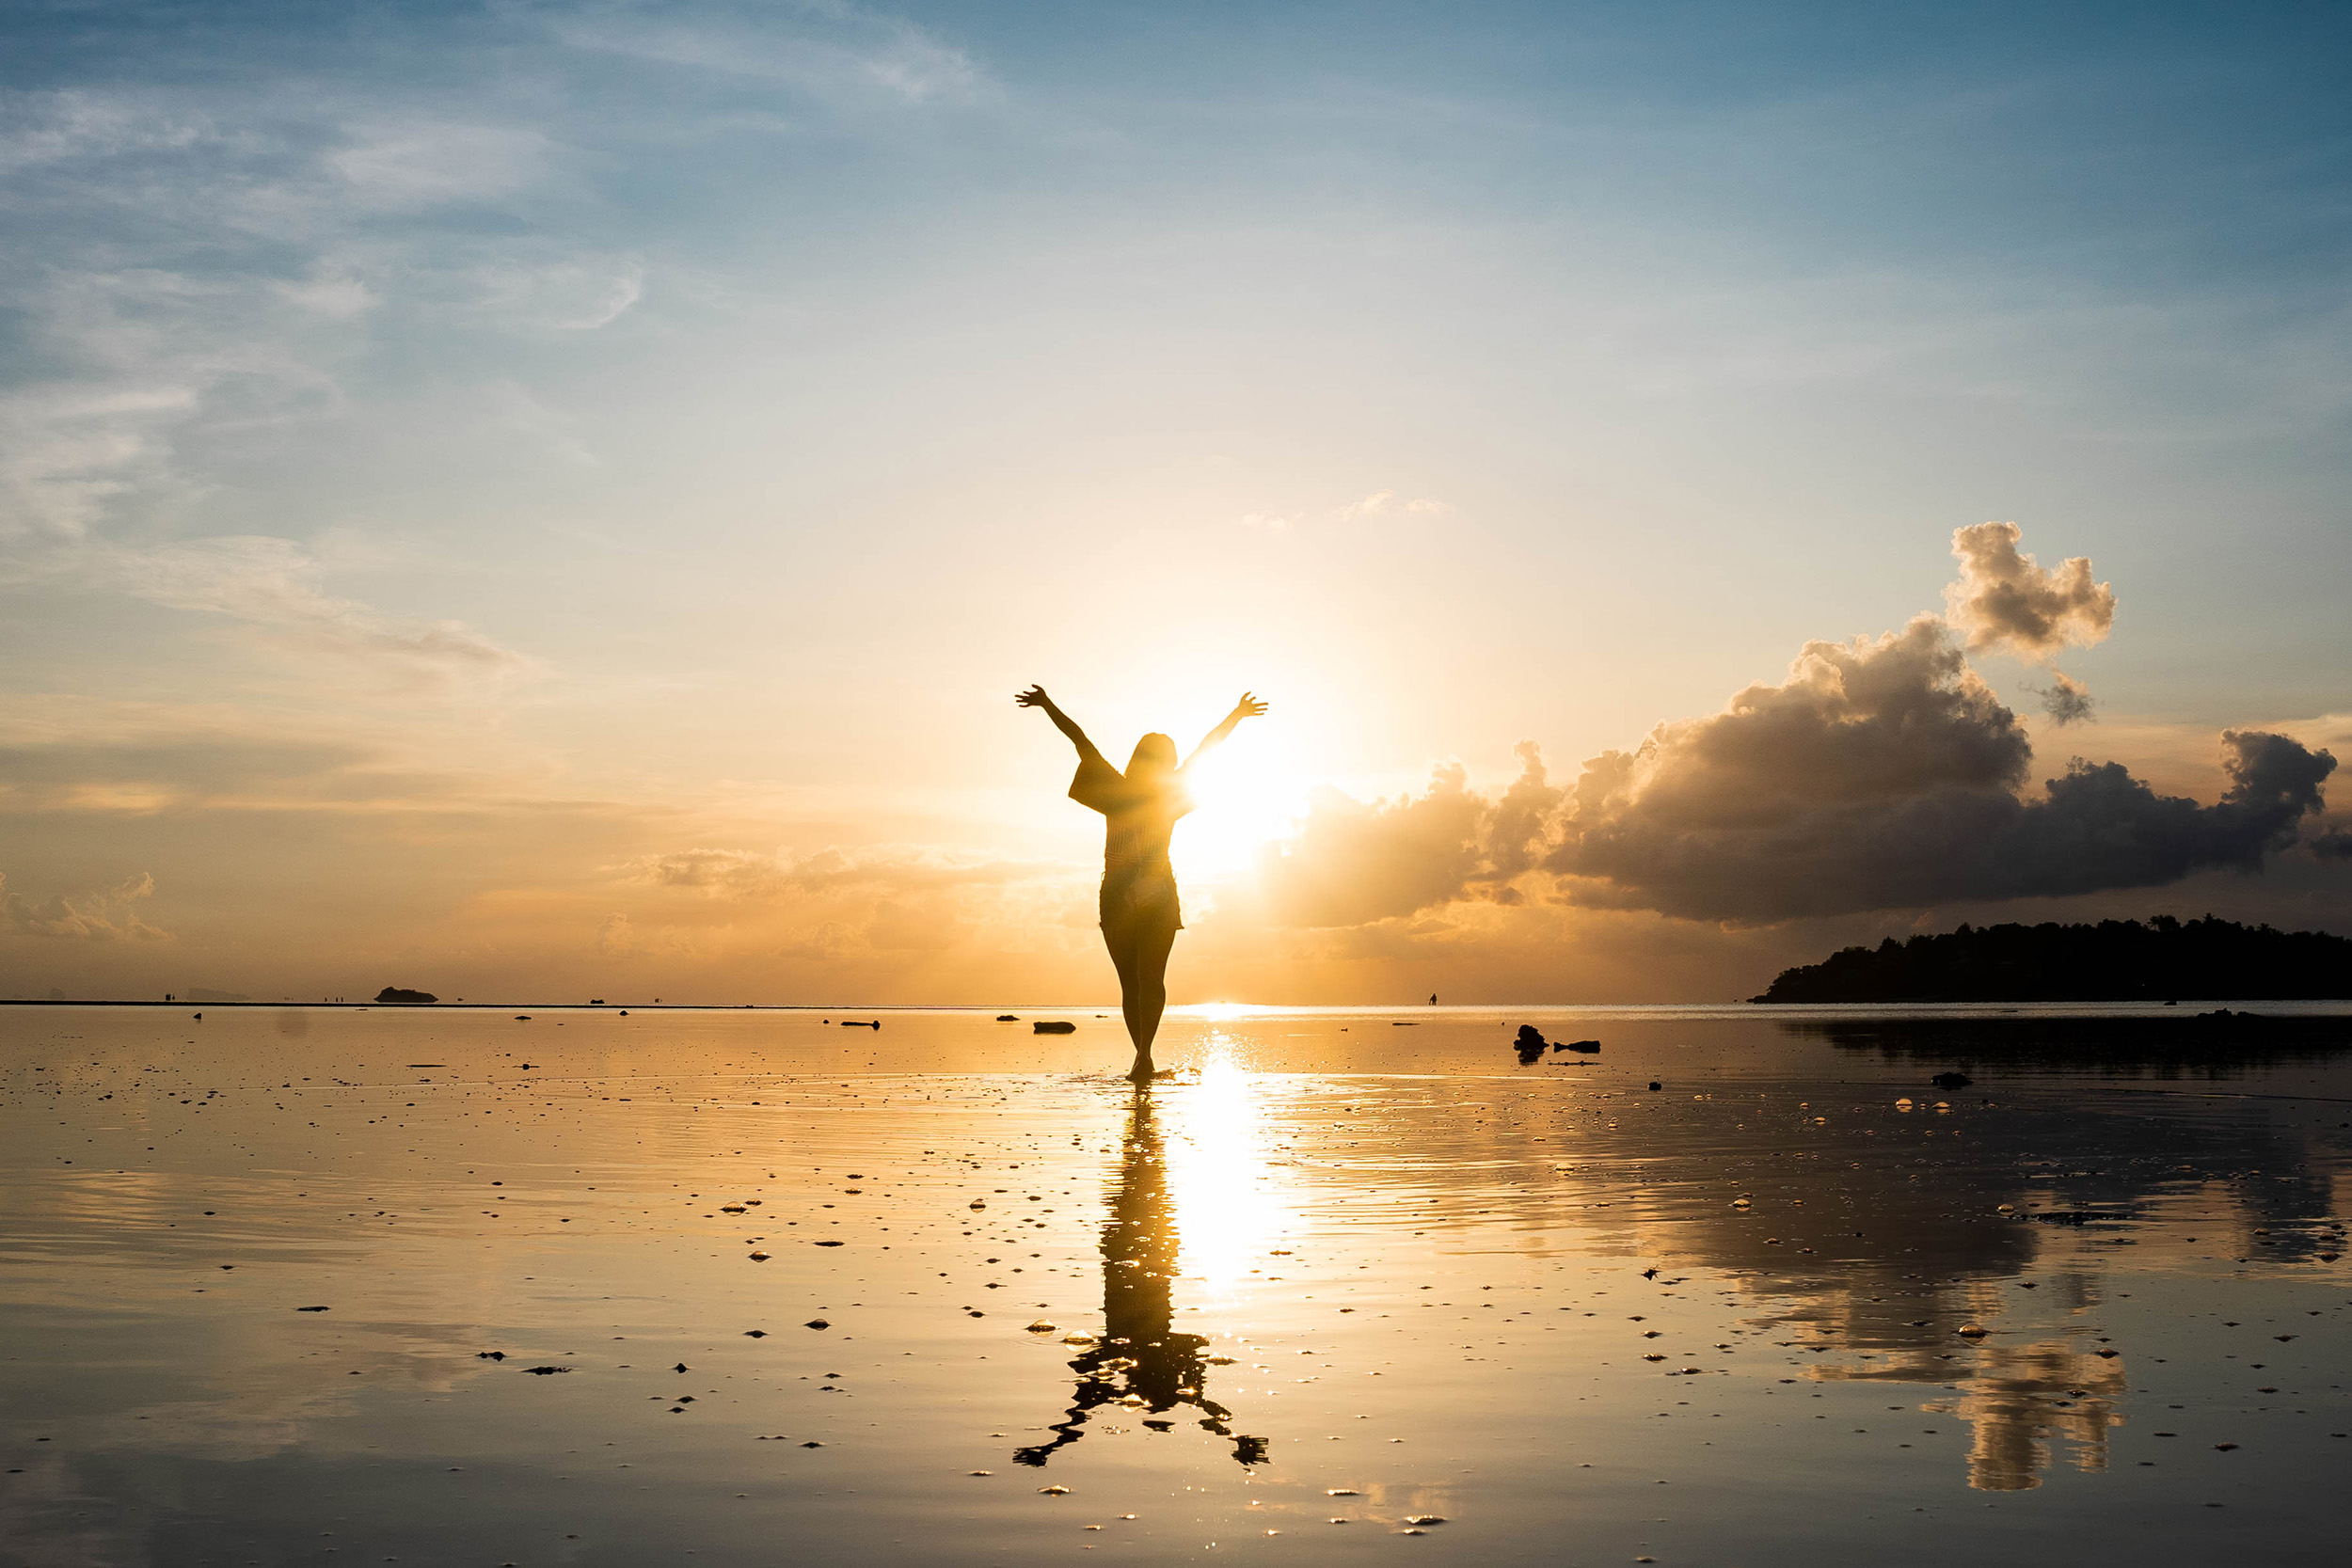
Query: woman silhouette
column 1141, row 914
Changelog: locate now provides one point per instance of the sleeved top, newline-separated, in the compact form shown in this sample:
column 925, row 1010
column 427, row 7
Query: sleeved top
column 1139, row 817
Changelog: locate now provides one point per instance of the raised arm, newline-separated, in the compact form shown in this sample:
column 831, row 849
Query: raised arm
column 1036, row 697
column 1249, row 708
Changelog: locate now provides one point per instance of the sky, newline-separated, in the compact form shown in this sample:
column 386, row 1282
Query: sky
column 532, row 501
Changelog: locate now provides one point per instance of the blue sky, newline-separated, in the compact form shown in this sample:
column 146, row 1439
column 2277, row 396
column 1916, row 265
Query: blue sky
column 441, row 393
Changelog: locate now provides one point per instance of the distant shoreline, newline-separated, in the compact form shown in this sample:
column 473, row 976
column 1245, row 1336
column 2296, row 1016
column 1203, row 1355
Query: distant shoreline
column 2165, row 959
column 500, row 1007
column 2135, row 1007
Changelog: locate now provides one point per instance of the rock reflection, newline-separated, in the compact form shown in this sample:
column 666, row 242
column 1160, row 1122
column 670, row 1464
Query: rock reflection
column 1142, row 1364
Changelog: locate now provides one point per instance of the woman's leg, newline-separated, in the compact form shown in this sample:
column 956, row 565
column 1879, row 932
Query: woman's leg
column 1119, row 940
column 1143, row 985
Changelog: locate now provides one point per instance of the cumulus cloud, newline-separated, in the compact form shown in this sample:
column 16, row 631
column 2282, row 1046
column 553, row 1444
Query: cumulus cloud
column 2003, row 602
column 273, row 585
column 618, row 937
column 2065, row 700
column 1880, row 773
column 1883, row 775
column 110, row 914
column 1353, row 862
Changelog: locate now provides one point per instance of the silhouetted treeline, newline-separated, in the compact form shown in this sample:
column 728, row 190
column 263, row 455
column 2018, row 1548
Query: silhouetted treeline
column 2116, row 961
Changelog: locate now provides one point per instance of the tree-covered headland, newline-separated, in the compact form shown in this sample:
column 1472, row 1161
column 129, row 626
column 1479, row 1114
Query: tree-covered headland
column 2161, row 959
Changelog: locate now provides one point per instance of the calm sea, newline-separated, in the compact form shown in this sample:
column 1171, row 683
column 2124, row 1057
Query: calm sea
column 1744, row 1286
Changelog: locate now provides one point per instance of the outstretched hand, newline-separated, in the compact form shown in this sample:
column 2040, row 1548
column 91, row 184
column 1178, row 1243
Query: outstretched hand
column 1249, row 708
column 1034, row 697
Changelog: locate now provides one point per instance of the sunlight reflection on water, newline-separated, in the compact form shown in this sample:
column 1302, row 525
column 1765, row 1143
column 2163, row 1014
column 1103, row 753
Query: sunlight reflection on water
column 1231, row 1204
column 752, row 1281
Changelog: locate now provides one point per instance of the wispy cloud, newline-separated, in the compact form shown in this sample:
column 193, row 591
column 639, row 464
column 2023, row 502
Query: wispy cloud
column 745, row 874
column 832, row 51
column 272, row 585
column 407, row 165
column 1379, row 503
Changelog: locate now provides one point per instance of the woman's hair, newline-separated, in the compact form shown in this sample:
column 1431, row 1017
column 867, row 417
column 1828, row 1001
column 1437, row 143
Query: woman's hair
column 1154, row 753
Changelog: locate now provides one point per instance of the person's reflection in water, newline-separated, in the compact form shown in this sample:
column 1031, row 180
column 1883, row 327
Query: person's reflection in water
column 1141, row 1363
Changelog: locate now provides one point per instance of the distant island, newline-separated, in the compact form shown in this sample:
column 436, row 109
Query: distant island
column 2164, row 959
column 397, row 996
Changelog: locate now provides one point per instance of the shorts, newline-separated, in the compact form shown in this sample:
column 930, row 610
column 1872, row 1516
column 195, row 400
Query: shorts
column 1133, row 896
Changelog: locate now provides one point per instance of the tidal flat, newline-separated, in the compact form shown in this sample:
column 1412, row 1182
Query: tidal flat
column 456, row 1285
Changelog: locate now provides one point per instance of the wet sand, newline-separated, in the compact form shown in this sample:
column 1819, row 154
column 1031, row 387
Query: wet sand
column 730, row 1287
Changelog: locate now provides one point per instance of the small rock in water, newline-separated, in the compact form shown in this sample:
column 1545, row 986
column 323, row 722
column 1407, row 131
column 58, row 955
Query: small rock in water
column 754, row 1334
column 1007, row 1017
column 1656, row 1084
column 546, row 1372
column 311, row 1308
column 1951, row 1079
column 1053, row 1026
column 817, row 1323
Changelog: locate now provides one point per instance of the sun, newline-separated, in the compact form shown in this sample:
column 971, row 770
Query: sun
column 1246, row 797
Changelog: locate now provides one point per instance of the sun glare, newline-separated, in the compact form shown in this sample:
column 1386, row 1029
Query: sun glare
column 1230, row 1203
column 1246, row 797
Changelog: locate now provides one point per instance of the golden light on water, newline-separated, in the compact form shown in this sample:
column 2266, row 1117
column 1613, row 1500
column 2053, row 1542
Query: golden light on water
column 1222, row 1012
column 1232, row 1203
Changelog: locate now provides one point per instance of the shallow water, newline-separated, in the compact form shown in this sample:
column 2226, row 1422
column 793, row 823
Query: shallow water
column 944, row 1292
